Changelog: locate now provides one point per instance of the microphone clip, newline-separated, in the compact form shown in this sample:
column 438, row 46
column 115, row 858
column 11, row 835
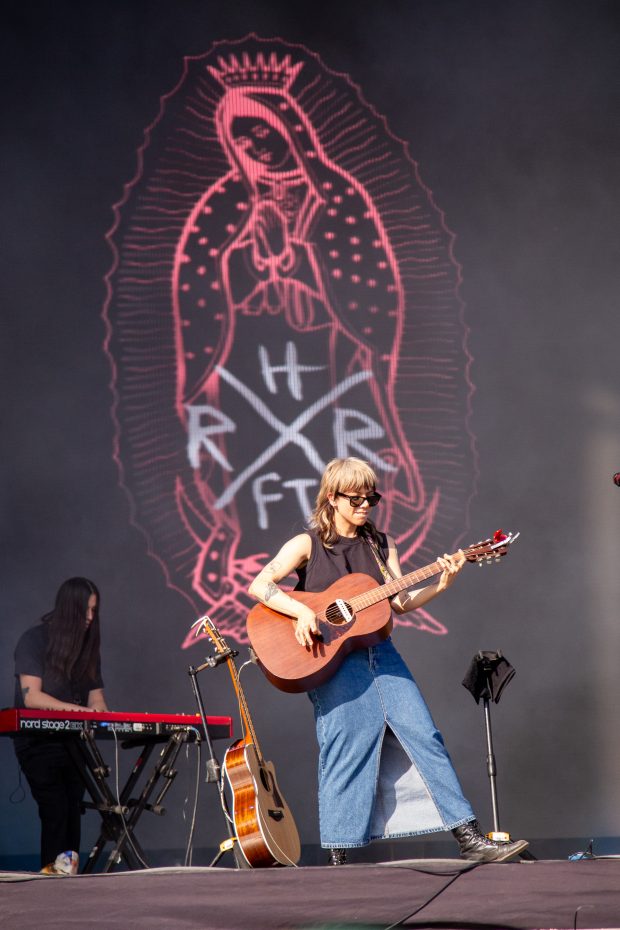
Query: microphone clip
column 217, row 659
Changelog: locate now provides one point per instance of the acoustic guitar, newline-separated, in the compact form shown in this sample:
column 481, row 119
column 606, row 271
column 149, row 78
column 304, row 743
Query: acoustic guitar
column 353, row 613
column 264, row 825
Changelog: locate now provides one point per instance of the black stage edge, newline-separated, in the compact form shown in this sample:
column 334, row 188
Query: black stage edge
column 378, row 851
column 542, row 894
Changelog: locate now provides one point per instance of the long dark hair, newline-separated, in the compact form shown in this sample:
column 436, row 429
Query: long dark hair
column 73, row 648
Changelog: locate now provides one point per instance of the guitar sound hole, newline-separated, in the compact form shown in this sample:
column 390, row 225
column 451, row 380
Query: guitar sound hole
column 269, row 785
column 337, row 614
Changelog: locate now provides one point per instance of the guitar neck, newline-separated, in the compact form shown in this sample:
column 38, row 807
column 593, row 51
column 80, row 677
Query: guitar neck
column 390, row 588
column 248, row 726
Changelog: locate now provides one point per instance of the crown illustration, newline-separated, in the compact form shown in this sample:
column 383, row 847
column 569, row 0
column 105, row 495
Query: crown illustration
column 243, row 72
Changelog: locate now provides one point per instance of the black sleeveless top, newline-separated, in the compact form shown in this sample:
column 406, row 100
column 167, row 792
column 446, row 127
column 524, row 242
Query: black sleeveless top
column 345, row 556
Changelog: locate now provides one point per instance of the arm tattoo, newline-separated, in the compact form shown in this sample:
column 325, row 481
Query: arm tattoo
column 270, row 590
column 25, row 691
column 272, row 568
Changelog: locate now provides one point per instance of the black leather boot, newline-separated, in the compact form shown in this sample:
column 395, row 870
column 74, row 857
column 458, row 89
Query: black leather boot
column 473, row 845
column 337, row 857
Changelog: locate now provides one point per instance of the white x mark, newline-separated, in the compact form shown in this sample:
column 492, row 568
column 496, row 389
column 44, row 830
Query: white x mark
column 287, row 432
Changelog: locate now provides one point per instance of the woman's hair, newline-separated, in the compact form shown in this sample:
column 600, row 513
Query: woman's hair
column 73, row 647
column 350, row 475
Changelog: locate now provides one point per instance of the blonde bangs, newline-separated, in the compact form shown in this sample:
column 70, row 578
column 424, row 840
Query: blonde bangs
column 348, row 475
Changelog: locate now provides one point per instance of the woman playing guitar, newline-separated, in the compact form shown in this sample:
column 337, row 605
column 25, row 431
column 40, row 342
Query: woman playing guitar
column 383, row 768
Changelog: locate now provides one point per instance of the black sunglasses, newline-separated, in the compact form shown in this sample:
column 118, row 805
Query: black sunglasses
column 356, row 500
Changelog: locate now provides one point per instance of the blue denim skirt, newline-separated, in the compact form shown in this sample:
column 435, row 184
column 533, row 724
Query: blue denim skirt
column 384, row 771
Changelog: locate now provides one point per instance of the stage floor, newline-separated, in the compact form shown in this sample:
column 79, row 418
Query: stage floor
column 433, row 893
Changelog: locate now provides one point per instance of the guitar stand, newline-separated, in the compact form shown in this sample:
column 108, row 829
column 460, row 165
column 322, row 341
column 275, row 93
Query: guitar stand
column 226, row 846
column 214, row 771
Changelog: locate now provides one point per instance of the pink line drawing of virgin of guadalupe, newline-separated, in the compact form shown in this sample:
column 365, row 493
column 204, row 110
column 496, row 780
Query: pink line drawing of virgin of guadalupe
column 285, row 256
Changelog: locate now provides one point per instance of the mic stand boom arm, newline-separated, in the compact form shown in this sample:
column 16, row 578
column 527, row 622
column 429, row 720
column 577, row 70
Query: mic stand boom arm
column 213, row 766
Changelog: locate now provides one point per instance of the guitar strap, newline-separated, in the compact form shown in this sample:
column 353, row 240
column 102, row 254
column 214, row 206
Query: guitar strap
column 383, row 566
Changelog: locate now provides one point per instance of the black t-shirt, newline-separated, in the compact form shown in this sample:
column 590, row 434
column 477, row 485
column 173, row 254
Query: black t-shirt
column 348, row 554
column 30, row 660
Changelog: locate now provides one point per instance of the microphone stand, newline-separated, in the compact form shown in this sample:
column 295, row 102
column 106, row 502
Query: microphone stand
column 498, row 835
column 213, row 768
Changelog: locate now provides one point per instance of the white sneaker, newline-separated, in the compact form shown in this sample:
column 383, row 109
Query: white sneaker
column 65, row 863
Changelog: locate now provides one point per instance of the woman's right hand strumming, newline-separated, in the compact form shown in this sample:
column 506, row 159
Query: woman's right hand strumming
column 306, row 628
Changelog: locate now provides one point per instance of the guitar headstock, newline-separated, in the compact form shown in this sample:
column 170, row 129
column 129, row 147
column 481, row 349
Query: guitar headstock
column 207, row 626
column 490, row 550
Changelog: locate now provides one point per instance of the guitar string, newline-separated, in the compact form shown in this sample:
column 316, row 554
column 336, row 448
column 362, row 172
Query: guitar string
column 367, row 598
column 247, row 725
column 360, row 601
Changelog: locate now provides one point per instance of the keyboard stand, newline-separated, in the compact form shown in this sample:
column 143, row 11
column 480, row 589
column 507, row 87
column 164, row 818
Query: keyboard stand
column 119, row 820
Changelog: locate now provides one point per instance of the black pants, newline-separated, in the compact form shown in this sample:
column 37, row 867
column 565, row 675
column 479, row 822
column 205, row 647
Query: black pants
column 57, row 788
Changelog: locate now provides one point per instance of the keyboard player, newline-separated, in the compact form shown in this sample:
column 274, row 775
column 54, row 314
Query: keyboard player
column 58, row 667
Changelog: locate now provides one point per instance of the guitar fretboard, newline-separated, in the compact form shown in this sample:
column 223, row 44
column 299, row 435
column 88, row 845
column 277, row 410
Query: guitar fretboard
column 390, row 588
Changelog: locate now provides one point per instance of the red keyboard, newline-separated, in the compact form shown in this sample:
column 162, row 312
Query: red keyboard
column 108, row 723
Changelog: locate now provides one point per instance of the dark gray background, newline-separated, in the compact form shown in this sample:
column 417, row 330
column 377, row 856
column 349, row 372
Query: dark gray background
column 511, row 111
